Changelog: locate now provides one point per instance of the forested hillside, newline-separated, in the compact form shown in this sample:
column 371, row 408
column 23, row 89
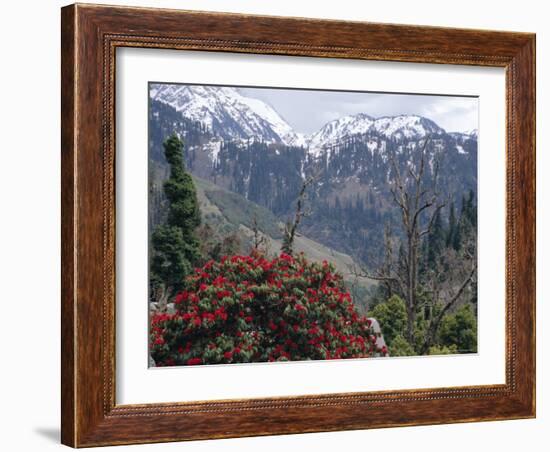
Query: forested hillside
column 364, row 176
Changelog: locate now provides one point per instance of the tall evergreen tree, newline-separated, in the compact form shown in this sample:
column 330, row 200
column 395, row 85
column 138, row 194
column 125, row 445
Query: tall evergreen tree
column 457, row 236
column 175, row 245
column 436, row 239
column 470, row 210
column 452, row 227
column 463, row 208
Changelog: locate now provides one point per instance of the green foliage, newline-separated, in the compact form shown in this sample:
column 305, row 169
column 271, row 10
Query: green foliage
column 446, row 247
column 459, row 229
column 443, row 350
column 453, row 232
column 175, row 245
column 420, row 329
column 170, row 261
column 460, row 330
column 457, row 333
column 251, row 309
column 400, row 347
column 436, row 240
column 469, row 210
column 392, row 317
column 180, row 190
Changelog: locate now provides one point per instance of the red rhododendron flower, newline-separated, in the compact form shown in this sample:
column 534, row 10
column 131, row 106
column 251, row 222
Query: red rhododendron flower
column 282, row 319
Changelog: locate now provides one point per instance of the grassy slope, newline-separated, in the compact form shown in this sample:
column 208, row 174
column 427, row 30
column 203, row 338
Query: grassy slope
column 231, row 211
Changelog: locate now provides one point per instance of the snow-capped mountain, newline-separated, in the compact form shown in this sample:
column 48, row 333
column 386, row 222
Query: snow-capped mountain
column 410, row 127
column 227, row 113
column 246, row 151
column 230, row 115
column 406, row 126
column 461, row 137
column 339, row 129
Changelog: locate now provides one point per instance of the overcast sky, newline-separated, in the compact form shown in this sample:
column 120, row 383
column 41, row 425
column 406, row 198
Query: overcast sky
column 308, row 110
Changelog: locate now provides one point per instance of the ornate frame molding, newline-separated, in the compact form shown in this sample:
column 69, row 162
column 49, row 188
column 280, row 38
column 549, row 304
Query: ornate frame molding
column 90, row 37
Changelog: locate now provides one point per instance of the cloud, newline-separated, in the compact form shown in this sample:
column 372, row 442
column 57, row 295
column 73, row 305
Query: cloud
column 308, row 110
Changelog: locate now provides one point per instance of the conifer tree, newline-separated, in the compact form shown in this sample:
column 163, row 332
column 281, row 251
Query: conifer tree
column 436, row 239
column 470, row 210
column 451, row 231
column 175, row 245
column 457, row 236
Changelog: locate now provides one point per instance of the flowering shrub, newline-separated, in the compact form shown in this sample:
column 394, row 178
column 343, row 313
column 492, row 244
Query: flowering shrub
column 251, row 309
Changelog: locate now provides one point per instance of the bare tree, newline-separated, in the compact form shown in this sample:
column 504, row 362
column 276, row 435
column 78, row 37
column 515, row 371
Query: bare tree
column 419, row 201
column 290, row 230
column 259, row 240
column 451, row 276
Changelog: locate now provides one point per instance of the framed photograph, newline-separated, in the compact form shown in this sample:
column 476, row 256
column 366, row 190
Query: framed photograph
column 281, row 225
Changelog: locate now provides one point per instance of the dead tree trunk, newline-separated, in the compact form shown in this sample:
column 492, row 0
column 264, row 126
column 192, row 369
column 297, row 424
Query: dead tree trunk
column 418, row 204
column 291, row 227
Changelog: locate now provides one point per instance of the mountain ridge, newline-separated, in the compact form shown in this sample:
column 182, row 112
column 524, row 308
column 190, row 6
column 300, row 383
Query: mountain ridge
column 230, row 115
column 226, row 112
column 350, row 201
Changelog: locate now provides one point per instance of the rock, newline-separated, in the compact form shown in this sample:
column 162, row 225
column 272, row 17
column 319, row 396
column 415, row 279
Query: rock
column 380, row 342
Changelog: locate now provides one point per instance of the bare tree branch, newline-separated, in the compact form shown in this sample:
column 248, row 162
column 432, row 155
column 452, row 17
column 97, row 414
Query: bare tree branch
column 434, row 324
column 419, row 204
column 290, row 231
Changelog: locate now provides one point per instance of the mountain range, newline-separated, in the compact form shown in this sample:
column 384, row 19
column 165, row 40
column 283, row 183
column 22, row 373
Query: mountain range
column 230, row 115
column 244, row 146
column 227, row 113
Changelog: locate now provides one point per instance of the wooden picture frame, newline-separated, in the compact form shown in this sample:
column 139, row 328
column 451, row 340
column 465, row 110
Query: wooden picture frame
column 90, row 36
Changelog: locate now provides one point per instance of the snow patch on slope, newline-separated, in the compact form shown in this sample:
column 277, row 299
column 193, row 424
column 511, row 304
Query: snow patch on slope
column 226, row 112
column 396, row 127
